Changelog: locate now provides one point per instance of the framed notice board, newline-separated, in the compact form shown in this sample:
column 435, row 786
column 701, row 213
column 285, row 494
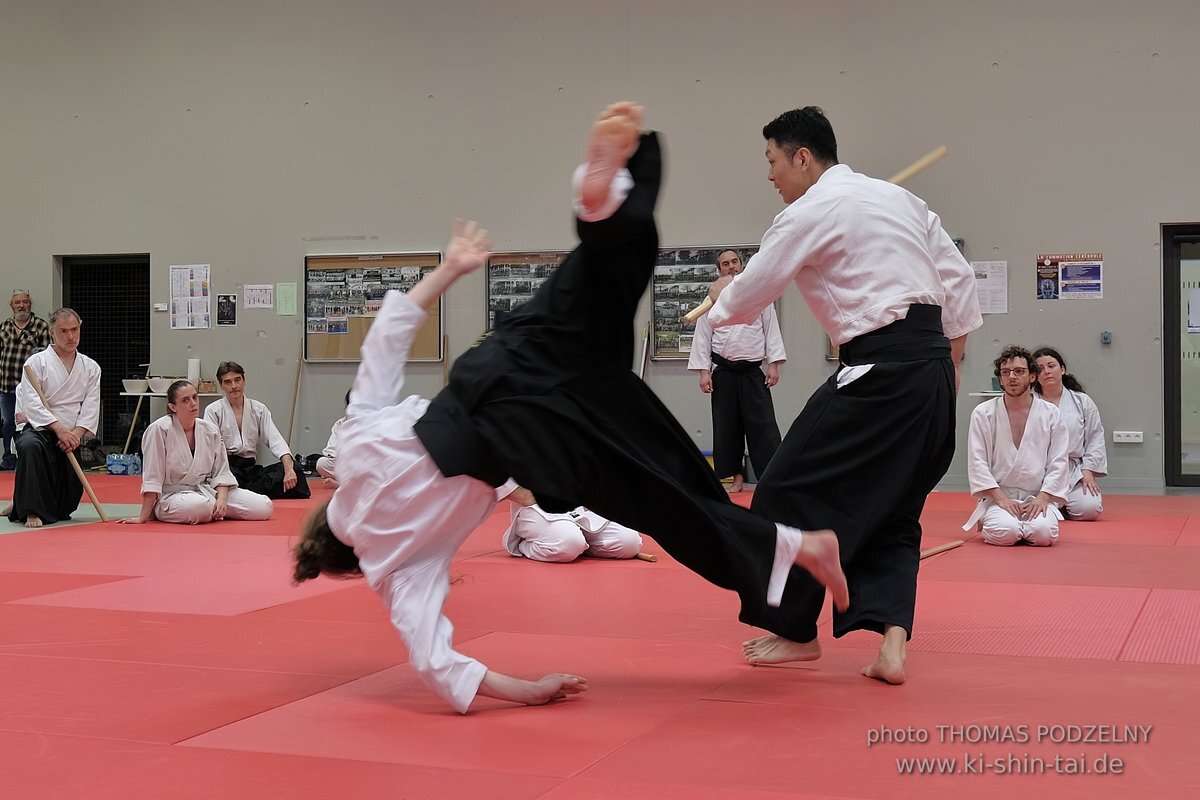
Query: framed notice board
column 512, row 278
column 680, row 283
column 343, row 293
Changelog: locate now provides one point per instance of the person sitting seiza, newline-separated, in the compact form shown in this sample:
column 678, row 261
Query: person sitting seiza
column 536, row 534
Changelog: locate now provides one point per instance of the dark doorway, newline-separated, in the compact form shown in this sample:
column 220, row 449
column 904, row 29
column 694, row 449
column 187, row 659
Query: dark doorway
column 112, row 296
column 1181, row 353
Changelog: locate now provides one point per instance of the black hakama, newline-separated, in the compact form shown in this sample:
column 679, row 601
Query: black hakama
column 742, row 413
column 268, row 480
column 46, row 485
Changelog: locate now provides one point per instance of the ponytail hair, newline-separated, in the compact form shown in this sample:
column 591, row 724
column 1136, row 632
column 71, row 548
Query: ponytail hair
column 319, row 552
column 1069, row 381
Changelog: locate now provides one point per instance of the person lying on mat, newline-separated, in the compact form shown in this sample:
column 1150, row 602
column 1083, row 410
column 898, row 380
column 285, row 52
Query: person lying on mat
column 552, row 379
column 185, row 472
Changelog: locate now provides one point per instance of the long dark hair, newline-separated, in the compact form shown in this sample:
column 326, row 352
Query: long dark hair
column 319, row 552
column 1068, row 380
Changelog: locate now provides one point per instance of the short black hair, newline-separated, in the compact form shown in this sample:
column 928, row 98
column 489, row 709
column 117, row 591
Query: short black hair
column 804, row 127
column 1015, row 351
column 225, row 367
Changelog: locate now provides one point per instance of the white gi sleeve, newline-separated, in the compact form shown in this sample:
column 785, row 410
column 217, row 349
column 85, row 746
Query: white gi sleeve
column 1095, row 452
column 960, row 309
column 772, row 337
column 980, row 444
column 700, row 356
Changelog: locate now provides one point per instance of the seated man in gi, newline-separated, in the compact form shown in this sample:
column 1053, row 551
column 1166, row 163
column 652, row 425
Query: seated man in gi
column 327, row 463
column 537, row 534
column 1017, row 458
column 244, row 422
column 47, row 489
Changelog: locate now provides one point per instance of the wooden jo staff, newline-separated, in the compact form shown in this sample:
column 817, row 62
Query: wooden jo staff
column 909, row 172
column 87, row 487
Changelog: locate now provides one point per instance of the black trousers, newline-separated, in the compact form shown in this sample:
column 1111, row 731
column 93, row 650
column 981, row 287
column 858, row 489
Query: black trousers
column 861, row 459
column 549, row 399
column 743, row 417
column 46, row 485
column 268, row 480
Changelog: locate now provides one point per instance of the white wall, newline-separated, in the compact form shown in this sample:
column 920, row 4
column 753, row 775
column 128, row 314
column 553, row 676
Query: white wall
column 246, row 135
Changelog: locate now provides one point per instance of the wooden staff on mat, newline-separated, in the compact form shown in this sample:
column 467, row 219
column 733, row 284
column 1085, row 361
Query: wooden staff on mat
column 911, row 171
column 87, row 487
column 941, row 548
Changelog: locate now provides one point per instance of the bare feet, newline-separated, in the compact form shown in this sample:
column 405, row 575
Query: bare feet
column 889, row 664
column 738, row 484
column 33, row 522
column 555, row 686
column 613, row 140
column 772, row 649
column 7, row 510
column 821, row 556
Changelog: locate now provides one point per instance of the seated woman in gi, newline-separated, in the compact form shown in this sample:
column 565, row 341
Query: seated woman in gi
column 1085, row 447
column 243, row 423
column 185, row 473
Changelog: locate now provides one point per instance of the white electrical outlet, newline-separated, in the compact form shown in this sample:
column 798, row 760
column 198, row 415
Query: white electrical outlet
column 1127, row 437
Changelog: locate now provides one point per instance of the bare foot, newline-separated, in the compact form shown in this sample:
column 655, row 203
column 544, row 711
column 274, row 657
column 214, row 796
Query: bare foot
column 772, row 649
column 329, row 483
column 738, row 485
column 821, row 556
column 889, row 664
column 7, row 510
column 33, row 522
column 614, row 137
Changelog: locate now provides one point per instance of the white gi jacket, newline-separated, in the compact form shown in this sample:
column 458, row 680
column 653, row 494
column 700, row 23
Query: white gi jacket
column 1038, row 465
column 404, row 519
column 1085, row 448
column 861, row 251
column 331, row 447
column 74, row 396
column 256, row 425
column 758, row 341
column 170, row 466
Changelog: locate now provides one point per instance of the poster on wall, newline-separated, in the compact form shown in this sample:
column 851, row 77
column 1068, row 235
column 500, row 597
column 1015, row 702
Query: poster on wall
column 226, row 310
column 512, row 278
column 1070, row 276
column 991, row 284
column 681, row 281
column 191, row 307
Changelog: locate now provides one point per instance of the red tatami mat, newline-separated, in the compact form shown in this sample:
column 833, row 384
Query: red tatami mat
column 179, row 662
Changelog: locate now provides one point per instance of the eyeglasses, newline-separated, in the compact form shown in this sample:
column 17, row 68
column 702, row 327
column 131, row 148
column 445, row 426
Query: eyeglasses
column 1016, row 372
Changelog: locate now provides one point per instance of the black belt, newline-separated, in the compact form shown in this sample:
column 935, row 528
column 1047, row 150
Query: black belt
column 736, row 366
column 917, row 337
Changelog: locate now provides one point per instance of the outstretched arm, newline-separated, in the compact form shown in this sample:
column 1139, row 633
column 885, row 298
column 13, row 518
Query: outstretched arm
column 468, row 249
column 555, row 686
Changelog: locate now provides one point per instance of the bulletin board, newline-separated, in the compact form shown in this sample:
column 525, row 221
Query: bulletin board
column 512, row 278
column 343, row 293
column 681, row 281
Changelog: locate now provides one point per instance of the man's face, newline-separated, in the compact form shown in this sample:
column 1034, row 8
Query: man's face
column 729, row 263
column 1015, row 377
column 65, row 333
column 787, row 173
column 22, row 307
column 233, row 384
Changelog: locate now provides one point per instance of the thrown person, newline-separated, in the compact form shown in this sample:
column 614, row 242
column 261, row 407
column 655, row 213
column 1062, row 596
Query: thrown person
column 538, row 535
column 1086, row 449
column 243, row 422
column 185, row 471
column 1017, row 458
column 46, row 489
column 552, row 390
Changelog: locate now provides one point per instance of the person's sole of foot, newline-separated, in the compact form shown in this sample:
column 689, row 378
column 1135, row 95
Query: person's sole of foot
column 773, row 649
column 609, row 148
column 820, row 554
column 886, row 669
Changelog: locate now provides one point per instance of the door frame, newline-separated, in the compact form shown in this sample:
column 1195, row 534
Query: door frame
column 1173, row 238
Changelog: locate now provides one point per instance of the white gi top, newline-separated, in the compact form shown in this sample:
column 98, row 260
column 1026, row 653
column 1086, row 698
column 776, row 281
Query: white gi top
column 169, row 465
column 1039, row 465
column 860, row 250
column 758, row 341
column 74, row 396
column 1085, row 432
column 331, row 446
column 404, row 519
column 256, row 424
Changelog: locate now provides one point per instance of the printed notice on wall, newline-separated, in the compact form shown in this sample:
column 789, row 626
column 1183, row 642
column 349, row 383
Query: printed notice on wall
column 258, row 295
column 1070, row 276
column 191, row 307
column 991, row 282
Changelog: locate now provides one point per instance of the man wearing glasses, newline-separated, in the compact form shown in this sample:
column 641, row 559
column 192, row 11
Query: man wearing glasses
column 1017, row 458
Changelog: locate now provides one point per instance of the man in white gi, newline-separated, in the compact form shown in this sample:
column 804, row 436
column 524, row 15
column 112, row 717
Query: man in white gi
column 185, row 471
column 729, row 361
column 889, row 287
column 536, row 534
column 243, row 423
column 1086, row 449
column 1017, row 458
column 47, row 489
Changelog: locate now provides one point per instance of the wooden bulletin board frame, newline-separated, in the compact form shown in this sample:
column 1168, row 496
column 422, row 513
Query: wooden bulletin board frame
column 343, row 292
column 513, row 277
column 680, row 283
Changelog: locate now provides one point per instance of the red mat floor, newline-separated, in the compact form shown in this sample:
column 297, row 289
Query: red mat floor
column 178, row 662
